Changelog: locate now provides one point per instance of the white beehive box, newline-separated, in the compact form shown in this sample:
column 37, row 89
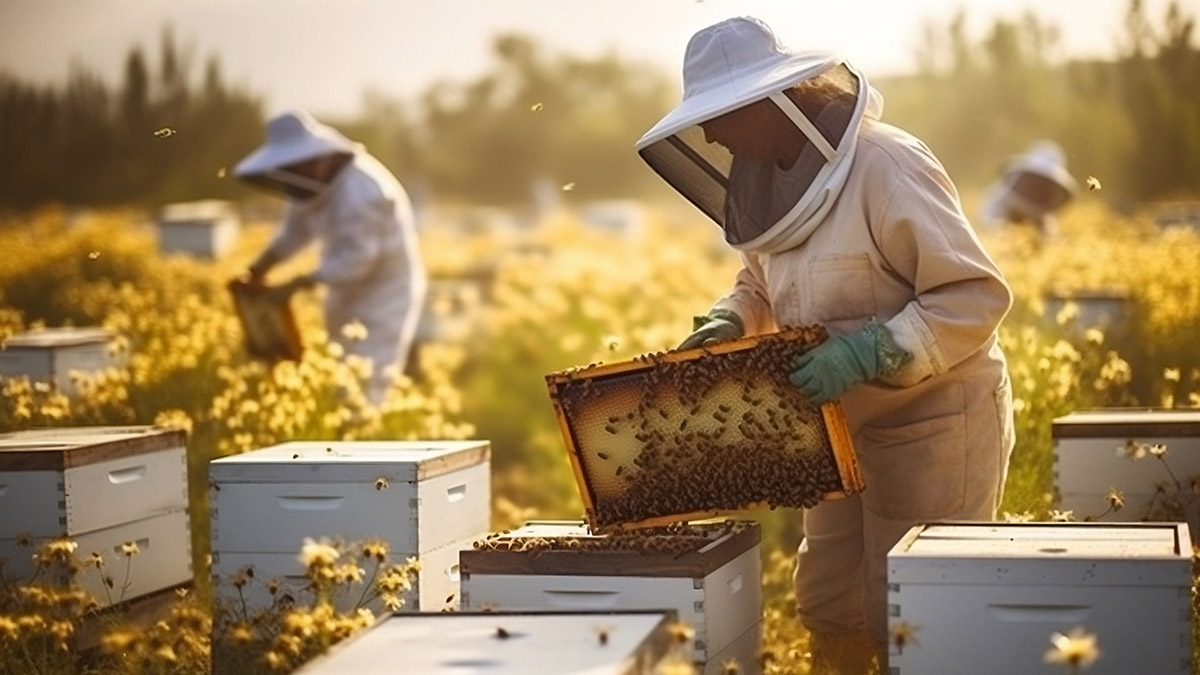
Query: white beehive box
column 563, row 643
column 100, row 487
column 52, row 354
column 436, row 588
column 715, row 588
column 1088, row 462
column 207, row 228
column 986, row 597
column 423, row 498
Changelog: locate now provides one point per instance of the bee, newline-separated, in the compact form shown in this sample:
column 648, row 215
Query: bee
column 610, row 428
column 602, row 633
column 450, row 598
column 502, row 634
column 602, row 455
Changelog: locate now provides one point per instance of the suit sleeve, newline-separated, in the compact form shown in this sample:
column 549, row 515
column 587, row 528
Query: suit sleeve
column 960, row 295
column 749, row 298
column 293, row 235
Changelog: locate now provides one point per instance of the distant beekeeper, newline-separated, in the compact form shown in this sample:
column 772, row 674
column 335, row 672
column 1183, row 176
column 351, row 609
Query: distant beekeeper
column 1031, row 188
column 848, row 222
column 341, row 196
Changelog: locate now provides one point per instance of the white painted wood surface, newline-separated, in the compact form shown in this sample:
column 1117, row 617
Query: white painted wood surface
column 164, row 559
column 455, row 644
column 719, row 607
column 437, row 586
column 1087, row 468
column 51, row 355
column 343, row 501
column 980, row 605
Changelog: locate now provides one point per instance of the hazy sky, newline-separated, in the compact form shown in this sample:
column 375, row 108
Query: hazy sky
column 322, row 54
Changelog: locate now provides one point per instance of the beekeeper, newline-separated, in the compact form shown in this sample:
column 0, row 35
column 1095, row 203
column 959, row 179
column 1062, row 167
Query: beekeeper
column 846, row 221
column 1032, row 187
column 342, row 197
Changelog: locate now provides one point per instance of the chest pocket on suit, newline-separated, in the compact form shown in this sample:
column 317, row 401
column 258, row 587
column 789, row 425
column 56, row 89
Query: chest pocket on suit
column 840, row 288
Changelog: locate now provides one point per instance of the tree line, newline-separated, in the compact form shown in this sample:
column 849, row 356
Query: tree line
column 161, row 134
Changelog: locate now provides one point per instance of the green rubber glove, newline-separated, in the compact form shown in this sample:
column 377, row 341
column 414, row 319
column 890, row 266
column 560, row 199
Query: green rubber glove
column 717, row 326
column 828, row 370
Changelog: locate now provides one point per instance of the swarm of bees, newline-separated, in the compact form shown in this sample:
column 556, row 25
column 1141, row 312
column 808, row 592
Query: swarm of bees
column 717, row 433
column 672, row 539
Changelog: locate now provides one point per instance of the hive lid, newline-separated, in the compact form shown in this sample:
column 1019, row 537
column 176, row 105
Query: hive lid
column 65, row 336
column 447, row 643
column 1044, row 552
column 1127, row 423
column 333, row 461
column 691, row 434
column 197, row 212
column 567, row 547
column 56, row 449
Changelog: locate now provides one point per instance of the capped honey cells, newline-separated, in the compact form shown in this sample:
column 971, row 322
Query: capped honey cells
column 679, row 435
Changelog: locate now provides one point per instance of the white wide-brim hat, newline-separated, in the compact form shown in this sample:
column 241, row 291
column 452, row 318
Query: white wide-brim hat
column 292, row 137
column 1045, row 159
column 732, row 64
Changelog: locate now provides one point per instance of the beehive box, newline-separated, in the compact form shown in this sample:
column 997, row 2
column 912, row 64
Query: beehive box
column 691, row 434
column 708, row 573
column 207, row 228
column 508, row 643
column 986, row 597
column 420, row 497
column 101, row 487
column 51, row 355
column 1091, row 451
column 269, row 325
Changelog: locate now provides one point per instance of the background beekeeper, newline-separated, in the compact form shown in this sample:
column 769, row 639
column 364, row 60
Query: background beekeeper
column 342, row 197
column 848, row 222
column 1030, row 189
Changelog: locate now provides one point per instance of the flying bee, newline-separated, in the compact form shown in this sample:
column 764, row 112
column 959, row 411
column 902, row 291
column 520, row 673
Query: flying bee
column 602, row 634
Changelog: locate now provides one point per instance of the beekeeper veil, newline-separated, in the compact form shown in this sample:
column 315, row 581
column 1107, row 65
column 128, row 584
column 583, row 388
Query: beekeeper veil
column 763, row 139
column 293, row 137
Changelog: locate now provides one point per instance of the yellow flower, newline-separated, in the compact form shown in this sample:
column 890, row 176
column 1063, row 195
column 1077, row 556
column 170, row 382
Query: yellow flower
column 1116, row 499
column 1062, row 516
column 130, row 548
column 1171, row 374
column 318, row 553
column 241, row 633
column 681, row 632
column 381, row 483
column 8, row 628
column 355, row 330
column 1158, row 450
column 1077, row 648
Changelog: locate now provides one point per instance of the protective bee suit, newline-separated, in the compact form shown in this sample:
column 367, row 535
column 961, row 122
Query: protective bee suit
column 861, row 231
column 1032, row 187
column 362, row 218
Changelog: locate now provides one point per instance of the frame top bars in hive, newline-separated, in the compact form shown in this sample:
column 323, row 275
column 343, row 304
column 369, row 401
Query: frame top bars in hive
column 689, row 434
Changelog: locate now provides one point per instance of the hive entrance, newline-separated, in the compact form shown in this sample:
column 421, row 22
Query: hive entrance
column 676, row 436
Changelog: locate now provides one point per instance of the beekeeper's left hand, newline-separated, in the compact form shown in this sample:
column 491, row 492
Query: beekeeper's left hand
column 828, row 370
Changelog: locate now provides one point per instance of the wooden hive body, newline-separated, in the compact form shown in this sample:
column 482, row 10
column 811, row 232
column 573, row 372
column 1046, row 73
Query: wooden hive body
column 691, row 434
column 425, row 499
column 101, row 487
column 51, row 355
column 986, row 597
column 708, row 573
column 1089, row 463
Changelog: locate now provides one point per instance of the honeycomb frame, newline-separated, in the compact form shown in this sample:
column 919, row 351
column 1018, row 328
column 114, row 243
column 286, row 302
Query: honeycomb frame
column 664, row 418
column 269, row 325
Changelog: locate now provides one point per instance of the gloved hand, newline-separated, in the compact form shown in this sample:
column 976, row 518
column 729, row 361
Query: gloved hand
column 717, row 326
column 828, row 370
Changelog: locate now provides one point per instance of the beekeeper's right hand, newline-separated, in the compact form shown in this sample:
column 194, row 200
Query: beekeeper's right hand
column 718, row 325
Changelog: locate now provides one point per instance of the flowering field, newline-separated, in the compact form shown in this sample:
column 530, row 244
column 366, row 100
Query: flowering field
column 533, row 302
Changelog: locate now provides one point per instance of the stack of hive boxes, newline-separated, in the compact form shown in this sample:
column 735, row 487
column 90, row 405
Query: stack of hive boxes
column 111, row 490
column 424, row 499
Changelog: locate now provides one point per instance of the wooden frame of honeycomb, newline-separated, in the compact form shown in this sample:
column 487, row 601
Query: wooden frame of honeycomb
column 691, row 434
column 269, row 325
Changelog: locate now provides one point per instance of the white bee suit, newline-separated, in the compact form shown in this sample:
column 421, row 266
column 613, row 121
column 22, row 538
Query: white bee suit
column 934, row 442
column 370, row 262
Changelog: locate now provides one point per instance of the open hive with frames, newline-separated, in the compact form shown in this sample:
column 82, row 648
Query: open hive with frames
column 690, row 434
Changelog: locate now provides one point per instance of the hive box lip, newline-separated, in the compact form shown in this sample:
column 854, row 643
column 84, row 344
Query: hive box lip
column 832, row 414
column 401, row 460
column 65, row 336
column 1127, row 422
column 1178, row 530
column 693, row 564
column 657, row 639
column 57, row 449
